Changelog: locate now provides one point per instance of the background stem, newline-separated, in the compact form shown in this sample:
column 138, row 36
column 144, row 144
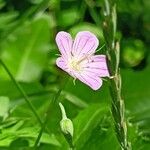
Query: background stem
column 48, row 112
column 22, row 92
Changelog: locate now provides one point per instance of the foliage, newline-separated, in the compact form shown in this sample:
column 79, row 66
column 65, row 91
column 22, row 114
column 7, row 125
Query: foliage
column 27, row 46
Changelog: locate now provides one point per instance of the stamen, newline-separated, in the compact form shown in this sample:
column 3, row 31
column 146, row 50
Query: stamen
column 75, row 63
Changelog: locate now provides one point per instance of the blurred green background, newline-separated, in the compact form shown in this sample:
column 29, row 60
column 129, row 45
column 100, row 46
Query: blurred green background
column 27, row 46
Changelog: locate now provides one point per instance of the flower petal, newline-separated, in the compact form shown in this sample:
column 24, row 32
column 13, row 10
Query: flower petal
column 85, row 44
column 97, row 66
column 92, row 81
column 64, row 42
column 61, row 63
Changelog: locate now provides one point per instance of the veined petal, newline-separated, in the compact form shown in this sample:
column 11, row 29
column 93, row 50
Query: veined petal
column 64, row 42
column 92, row 81
column 62, row 64
column 85, row 43
column 97, row 66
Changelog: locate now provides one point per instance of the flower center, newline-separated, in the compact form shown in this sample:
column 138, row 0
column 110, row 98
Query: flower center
column 74, row 64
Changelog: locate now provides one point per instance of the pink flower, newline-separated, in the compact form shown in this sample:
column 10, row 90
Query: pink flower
column 78, row 59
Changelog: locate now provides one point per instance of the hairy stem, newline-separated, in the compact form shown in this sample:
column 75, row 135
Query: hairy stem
column 113, row 55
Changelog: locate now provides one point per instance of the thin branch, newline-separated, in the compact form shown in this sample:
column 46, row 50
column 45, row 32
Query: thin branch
column 51, row 104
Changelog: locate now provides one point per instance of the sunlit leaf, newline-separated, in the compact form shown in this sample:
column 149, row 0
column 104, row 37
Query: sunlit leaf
column 4, row 107
column 85, row 123
column 26, row 50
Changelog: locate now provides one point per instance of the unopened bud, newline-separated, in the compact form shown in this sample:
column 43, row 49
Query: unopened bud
column 65, row 124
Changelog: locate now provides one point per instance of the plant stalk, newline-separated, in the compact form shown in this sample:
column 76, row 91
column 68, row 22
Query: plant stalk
column 48, row 112
column 113, row 56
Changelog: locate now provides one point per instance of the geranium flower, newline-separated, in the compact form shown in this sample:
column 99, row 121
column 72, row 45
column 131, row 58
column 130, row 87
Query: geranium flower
column 78, row 59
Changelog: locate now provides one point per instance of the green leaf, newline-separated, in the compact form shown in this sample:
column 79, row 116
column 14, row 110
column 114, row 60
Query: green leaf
column 6, row 19
column 136, row 88
column 79, row 90
column 25, row 51
column 133, row 52
column 8, row 88
column 136, row 92
column 75, row 100
column 36, row 1
column 2, row 3
column 19, row 129
column 68, row 17
column 103, row 138
column 85, row 123
column 4, row 107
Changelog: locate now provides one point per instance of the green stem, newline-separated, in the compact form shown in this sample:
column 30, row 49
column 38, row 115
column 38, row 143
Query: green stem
column 22, row 92
column 68, row 139
column 93, row 13
column 82, row 10
column 51, row 104
column 113, row 55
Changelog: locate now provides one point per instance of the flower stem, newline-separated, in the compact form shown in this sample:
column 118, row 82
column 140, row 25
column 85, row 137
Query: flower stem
column 113, row 55
column 22, row 92
column 48, row 112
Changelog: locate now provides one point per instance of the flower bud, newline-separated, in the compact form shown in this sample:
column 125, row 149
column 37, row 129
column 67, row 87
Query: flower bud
column 65, row 124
